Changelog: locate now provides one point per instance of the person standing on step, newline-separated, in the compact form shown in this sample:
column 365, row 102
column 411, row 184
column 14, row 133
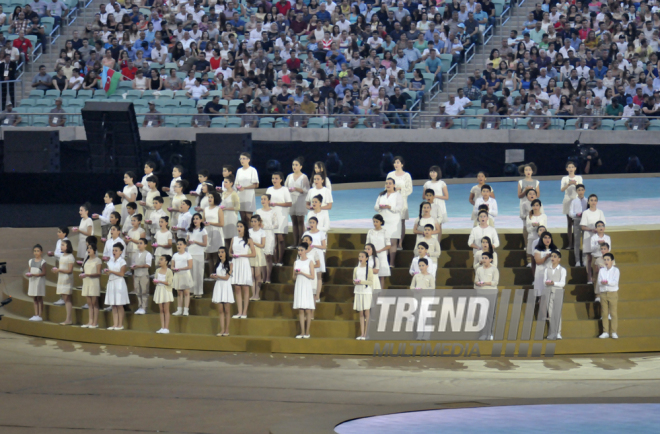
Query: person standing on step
column 554, row 278
column 241, row 250
column 578, row 206
column 247, row 180
column 569, row 187
column 37, row 282
column 142, row 261
column 62, row 234
column 363, row 280
column 303, row 292
column 268, row 223
column 116, row 292
column 608, row 279
column 524, row 185
column 590, row 217
column 104, row 217
column 389, row 205
column 86, row 229
column 129, row 194
column 198, row 240
column 64, row 272
column 91, row 277
column 223, row 295
column 403, row 185
column 163, row 278
column 487, row 277
column 298, row 185
column 280, row 200
column 381, row 241
column 182, row 263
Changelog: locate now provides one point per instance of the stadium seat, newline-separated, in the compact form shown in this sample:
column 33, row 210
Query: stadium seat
column 85, row 94
column 473, row 124
column 557, row 124
column 188, row 103
column 52, row 94
column 481, row 112
column 266, row 122
column 570, row 124
column 125, row 85
column 233, row 122
column 470, row 112
column 69, row 93
column 654, row 126
column 522, row 124
column 315, row 123
column 28, row 102
column 166, row 94
column 172, row 121
column 99, row 94
column 280, row 123
column 218, row 122
column 606, row 124
column 620, row 125
column 36, row 94
column 506, row 124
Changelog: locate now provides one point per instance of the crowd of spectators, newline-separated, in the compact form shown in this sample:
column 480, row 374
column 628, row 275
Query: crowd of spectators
column 318, row 56
column 582, row 62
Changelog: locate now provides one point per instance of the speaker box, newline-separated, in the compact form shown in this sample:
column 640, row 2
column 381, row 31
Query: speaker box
column 113, row 135
column 213, row 150
column 31, row 151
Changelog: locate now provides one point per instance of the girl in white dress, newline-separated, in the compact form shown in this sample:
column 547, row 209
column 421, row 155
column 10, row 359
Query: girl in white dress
column 525, row 184
column 182, row 263
column 319, row 168
column 37, row 282
column 91, row 277
column 535, row 218
column 116, row 292
column 177, row 172
column 487, row 247
column 380, row 238
column 223, row 295
column 319, row 188
column 86, row 229
column 268, row 223
column 441, row 194
column 231, row 205
column 303, row 292
column 247, row 180
column 389, row 204
column 241, row 250
column 64, row 272
column 280, row 200
column 374, row 264
column 543, row 260
column 588, row 224
column 363, row 279
column 163, row 240
column 214, row 220
column 203, row 196
column 403, row 184
column 314, row 255
column 475, row 192
column 321, row 215
column 176, row 206
column 422, row 220
column 129, row 194
column 198, row 240
column 298, row 185
column 258, row 263
column 319, row 245
column 163, row 278
column 132, row 238
column 568, row 186
column 143, row 185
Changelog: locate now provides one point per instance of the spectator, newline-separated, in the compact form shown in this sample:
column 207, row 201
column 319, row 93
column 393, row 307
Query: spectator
column 614, row 109
column 153, row 118
column 453, row 107
column 488, row 98
column 56, row 118
column 637, row 122
column 539, row 121
column 42, row 81
column 56, row 9
column 442, row 121
column 23, row 45
column 471, row 91
column 214, row 107
column 197, row 91
column 490, row 120
column 586, row 121
column 8, row 117
column 201, row 119
column 298, row 119
column 345, row 119
column 377, row 119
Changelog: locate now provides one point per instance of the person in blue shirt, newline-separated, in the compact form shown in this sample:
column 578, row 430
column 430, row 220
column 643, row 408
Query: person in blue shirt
column 323, row 14
column 343, row 85
column 238, row 23
column 600, row 70
column 434, row 66
column 412, row 54
column 428, row 36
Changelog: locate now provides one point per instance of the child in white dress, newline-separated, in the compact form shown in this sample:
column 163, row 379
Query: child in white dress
column 303, row 292
column 198, row 240
column 241, row 250
column 91, row 277
column 425, row 219
column 148, row 203
column 389, row 205
column 258, row 263
column 534, row 219
column 64, row 272
column 319, row 245
column 223, row 295
column 116, row 292
column 320, row 188
column 163, row 240
column 403, row 183
column 379, row 237
column 132, row 238
column 231, row 205
column 588, row 224
column 298, row 185
column 104, row 217
column 177, row 172
column 280, row 200
column 214, row 220
column 86, row 229
column 177, row 208
column 440, row 195
column 151, row 224
column 129, row 194
column 363, row 277
column 143, row 185
column 568, row 186
column 268, row 223
column 247, row 180
column 37, row 282
column 163, row 279
column 182, row 263
column 543, row 260
column 374, row 264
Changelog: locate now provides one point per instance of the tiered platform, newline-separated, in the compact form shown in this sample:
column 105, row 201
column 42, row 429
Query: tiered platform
column 272, row 323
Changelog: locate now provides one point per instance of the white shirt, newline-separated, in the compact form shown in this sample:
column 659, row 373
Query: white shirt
column 478, row 233
column 159, row 55
column 578, row 206
column 492, row 206
column 226, row 73
column 197, row 235
column 414, row 266
column 612, row 276
column 105, row 216
column 198, row 91
column 107, row 250
column 58, row 248
column 181, row 261
column 595, row 245
column 555, row 101
column 556, row 283
column 583, row 71
column 453, row 109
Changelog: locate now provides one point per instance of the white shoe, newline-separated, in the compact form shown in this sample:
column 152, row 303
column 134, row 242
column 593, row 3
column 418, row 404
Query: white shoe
column 33, row 318
column 604, row 336
column 160, row 331
column 591, row 282
column 559, row 336
column 236, row 316
column 243, row 316
column 359, row 338
column 299, row 337
column 108, row 309
column 185, row 311
column 93, row 327
column 178, row 312
column 578, row 264
column 59, row 302
column 119, row 328
column 615, row 336
column 140, row 312
column 490, row 338
column 84, row 306
column 529, row 265
column 36, row 318
column 110, row 328
column 165, row 332
column 609, row 317
column 597, row 300
column 84, row 326
column 306, row 337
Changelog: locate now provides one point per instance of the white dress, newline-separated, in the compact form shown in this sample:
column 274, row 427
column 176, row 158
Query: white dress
column 325, row 192
column 380, row 239
column 182, row 279
column 85, row 224
column 129, row 190
column 437, row 187
column 303, row 291
column 245, row 178
column 539, row 284
column 37, row 286
column 259, row 259
column 323, row 218
column 404, row 182
column 280, row 195
column 392, row 216
column 589, row 219
column 570, row 193
column 242, row 274
column 65, row 281
column 362, row 293
column 216, row 237
column 524, row 184
column 163, row 239
column 532, row 231
column 269, row 223
column 374, row 264
column 222, row 291
column 420, row 227
column 116, row 292
column 231, row 200
column 317, row 240
column 163, row 293
column 298, row 208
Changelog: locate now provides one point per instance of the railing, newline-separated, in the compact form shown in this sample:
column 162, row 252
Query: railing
column 396, row 119
column 4, row 87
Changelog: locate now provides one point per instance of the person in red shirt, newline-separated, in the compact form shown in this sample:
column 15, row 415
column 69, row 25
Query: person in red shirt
column 293, row 62
column 283, row 7
column 23, row 45
column 129, row 71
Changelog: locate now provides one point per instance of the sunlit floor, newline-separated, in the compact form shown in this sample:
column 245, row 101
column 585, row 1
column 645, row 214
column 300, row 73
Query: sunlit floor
column 625, row 202
column 558, row 418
